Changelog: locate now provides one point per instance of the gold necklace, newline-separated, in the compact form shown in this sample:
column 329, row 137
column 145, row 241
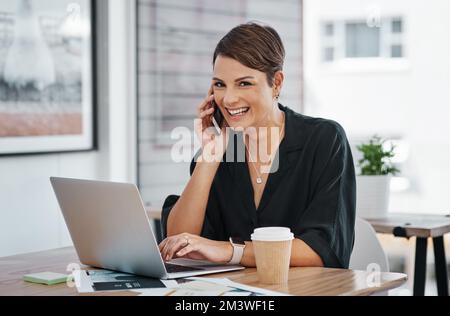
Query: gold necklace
column 259, row 178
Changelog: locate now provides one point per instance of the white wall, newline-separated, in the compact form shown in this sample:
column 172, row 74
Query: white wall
column 409, row 99
column 383, row 93
column 30, row 219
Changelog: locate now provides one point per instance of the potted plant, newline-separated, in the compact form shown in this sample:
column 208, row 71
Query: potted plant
column 373, row 182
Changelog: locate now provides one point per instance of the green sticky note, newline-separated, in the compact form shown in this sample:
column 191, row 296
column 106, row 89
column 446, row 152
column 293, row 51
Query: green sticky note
column 48, row 278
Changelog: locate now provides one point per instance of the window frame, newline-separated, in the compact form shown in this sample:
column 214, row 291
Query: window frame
column 387, row 39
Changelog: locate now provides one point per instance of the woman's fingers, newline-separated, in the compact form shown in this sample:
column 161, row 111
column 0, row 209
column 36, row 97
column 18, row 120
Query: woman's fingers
column 164, row 251
column 206, row 112
column 204, row 103
column 193, row 246
column 179, row 244
column 162, row 244
column 168, row 246
column 186, row 250
column 171, row 245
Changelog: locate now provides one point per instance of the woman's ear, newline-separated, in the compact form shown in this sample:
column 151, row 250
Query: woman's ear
column 278, row 80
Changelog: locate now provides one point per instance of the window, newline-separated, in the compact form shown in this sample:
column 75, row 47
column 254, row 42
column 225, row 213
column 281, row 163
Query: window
column 328, row 53
column 396, row 51
column 329, row 29
column 396, row 26
column 351, row 39
column 361, row 40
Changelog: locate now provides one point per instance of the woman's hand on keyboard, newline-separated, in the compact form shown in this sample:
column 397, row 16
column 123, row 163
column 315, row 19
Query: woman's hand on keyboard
column 195, row 247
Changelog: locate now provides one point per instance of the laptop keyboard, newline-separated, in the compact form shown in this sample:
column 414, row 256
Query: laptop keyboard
column 173, row 268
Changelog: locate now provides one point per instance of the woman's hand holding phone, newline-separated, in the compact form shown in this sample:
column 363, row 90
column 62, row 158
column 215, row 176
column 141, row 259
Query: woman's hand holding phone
column 213, row 144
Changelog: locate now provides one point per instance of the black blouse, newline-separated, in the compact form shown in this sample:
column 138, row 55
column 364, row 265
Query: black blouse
column 313, row 192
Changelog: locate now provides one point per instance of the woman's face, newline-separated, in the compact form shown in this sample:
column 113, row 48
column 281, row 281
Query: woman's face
column 242, row 94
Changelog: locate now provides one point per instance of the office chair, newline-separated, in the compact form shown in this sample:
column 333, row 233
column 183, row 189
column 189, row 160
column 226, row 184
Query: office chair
column 367, row 250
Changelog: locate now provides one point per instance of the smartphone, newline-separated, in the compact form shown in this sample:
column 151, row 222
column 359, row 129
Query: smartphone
column 217, row 118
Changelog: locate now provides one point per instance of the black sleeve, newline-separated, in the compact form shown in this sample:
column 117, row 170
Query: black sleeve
column 209, row 230
column 327, row 225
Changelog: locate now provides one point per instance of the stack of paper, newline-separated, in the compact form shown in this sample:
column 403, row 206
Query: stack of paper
column 104, row 280
column 209, row 287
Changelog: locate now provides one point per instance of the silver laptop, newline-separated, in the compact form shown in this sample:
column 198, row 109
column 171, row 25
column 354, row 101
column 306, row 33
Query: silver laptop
column 110, row 229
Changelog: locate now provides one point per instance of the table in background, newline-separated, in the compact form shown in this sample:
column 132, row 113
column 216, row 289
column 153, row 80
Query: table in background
column 302, row 281
column 422, row 227
column 155, row 215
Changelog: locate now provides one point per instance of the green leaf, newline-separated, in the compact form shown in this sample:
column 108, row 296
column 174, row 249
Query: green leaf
column 376, row 160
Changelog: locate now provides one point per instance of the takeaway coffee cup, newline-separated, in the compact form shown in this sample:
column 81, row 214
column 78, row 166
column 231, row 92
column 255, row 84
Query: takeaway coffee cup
column 272, row 248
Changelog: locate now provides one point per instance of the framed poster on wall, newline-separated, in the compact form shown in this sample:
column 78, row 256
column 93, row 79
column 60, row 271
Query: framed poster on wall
column 47, row 76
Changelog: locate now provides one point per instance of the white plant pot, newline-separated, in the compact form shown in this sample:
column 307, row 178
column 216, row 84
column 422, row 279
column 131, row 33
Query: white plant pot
column 372, row 196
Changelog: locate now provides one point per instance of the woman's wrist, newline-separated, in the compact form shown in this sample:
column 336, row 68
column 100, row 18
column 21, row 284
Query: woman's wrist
column 228, row 251
column 208, row 167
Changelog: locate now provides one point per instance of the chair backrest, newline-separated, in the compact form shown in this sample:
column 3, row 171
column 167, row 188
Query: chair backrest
column 367, row 248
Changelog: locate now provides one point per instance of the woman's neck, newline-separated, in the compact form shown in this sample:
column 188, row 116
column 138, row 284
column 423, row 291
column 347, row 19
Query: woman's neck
column 268, row 130
column 274, row 118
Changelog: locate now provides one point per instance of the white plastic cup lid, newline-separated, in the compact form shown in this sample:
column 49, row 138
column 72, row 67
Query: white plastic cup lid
column 272, row 234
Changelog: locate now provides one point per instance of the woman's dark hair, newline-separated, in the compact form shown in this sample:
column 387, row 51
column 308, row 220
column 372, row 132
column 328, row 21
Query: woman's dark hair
column 254, row 45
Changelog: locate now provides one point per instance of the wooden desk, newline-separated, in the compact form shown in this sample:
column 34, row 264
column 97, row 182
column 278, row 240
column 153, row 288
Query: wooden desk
column 302, row 281
column 422, row 227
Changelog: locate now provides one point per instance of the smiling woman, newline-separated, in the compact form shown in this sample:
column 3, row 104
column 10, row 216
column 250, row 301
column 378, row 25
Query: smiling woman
column 247, row 100
column 248, row 77
column 296, row 171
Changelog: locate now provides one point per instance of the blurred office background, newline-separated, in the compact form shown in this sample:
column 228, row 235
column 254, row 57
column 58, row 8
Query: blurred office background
column 375, row 66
